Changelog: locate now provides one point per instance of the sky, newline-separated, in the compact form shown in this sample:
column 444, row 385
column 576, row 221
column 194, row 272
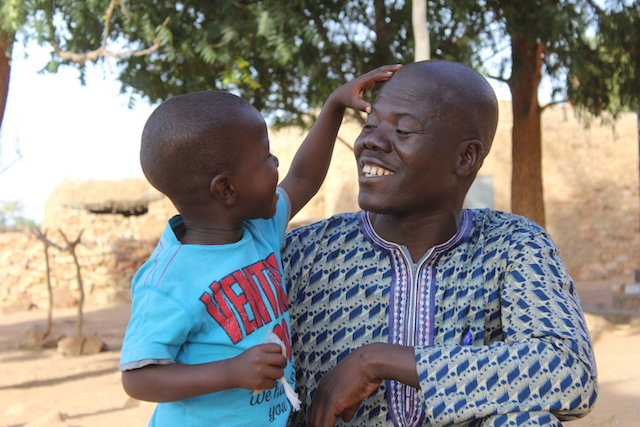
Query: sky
column 64, row 130
column 67, row 131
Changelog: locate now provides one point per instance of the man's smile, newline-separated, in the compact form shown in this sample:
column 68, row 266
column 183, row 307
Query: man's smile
column 370, row 170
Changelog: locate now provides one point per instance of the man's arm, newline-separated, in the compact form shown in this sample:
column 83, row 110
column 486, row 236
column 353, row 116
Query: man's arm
column 311, row 162
column 542, row 363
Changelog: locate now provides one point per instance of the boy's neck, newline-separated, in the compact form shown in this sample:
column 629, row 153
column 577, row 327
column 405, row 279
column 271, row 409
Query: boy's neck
column 208, row 233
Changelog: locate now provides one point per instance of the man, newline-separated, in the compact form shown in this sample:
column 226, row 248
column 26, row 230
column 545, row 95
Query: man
column 417, row 312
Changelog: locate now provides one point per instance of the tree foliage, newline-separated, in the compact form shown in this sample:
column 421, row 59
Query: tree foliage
column 577, row 45
column 12, row 217
column 607, row 77
column 285, row 57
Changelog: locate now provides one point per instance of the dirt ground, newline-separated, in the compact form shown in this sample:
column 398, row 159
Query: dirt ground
column 45, row 388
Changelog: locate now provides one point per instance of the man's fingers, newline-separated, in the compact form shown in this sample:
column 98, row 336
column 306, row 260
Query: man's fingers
column 350, row 412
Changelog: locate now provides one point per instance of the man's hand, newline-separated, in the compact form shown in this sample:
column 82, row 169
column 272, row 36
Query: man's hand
column 342, row 390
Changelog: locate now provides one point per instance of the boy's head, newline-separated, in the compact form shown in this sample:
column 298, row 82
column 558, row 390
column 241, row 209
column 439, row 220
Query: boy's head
column 191, row 139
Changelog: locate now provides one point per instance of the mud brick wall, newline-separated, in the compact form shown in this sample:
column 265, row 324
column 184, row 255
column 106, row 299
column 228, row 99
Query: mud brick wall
column 106, row 271
column 112, row 248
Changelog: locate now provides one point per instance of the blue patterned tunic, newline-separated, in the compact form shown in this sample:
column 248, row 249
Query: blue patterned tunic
column 499, row 282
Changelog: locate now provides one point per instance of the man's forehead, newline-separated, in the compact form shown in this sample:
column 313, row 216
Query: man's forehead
column 395, row 111
column 406, row 103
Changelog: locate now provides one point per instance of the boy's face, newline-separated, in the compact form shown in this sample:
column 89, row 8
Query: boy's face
column 256, row 177
column 406, row 152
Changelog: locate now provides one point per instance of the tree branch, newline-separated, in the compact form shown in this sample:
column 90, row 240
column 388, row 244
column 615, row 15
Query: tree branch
column 43, row 236
column 3, row 169
column 102, row 51
column 18, row 155
column 345, row 143
column 500, row 79
column 551, row 104
column 71, row 248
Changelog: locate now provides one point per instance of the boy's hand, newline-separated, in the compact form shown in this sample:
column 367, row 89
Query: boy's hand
column 351, row 94
column 259, row 367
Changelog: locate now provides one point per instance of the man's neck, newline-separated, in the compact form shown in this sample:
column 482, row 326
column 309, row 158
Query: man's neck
column 418, row 233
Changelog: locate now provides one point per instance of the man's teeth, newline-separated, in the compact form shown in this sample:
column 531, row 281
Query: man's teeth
column 369, row 170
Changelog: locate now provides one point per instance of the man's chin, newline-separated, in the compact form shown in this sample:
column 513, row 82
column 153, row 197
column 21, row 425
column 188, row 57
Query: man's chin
column 374, row 205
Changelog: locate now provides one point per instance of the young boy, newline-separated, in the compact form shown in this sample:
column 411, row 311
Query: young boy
column 211, row 294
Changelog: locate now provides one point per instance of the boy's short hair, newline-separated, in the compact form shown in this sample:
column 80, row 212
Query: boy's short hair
column 188, row 140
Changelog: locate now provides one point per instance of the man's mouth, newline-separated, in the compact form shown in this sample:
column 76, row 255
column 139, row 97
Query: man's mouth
column 373, row 170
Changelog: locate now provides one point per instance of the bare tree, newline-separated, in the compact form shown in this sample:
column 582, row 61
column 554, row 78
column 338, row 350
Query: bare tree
column 46, row 244
column 17, row 155
column 71, row 248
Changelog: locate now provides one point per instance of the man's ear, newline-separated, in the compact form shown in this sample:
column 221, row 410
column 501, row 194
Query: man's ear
column 223, row 190
column 470, row 157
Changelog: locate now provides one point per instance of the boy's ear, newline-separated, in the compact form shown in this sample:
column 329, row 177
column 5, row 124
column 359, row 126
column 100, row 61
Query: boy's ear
column 470, row 157
column 223, row 190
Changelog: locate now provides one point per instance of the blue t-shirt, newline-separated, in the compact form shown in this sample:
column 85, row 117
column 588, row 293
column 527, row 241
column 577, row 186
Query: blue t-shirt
column 194, row 304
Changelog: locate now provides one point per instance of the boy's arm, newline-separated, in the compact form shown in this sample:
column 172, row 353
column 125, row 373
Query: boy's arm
column 311, row 162
column 257, row 368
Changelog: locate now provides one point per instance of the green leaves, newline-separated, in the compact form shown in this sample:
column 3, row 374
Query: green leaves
column 287, row 56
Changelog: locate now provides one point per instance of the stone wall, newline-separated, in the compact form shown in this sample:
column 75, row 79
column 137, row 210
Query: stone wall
column 113, row 246
column 106, row 271
column 591, row 195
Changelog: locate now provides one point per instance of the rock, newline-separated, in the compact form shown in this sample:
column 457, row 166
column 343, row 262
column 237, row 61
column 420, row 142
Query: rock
column 93, row 345
column 76, row 346
column 71, row 346
column 35, row 337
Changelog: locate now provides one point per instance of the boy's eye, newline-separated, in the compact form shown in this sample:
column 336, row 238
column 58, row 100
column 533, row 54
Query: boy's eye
column 368, row 127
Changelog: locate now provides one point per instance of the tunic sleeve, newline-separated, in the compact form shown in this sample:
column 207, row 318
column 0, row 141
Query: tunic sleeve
column 541, row 369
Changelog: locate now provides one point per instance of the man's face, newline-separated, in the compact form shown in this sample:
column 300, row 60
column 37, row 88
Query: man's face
column 406, row 152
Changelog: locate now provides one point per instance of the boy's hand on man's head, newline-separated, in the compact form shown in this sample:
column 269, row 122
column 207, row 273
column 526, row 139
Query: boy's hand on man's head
column 259, row 367
column 351, row 94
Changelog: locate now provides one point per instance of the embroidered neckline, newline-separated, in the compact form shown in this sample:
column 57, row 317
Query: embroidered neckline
column 411, row 308
column 370, row 234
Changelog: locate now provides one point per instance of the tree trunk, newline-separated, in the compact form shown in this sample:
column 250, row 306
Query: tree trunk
column 6, row 41
column 422, row 49
column 526, row 180
column 384, row 37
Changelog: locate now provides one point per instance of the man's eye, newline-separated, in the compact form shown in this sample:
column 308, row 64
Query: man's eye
column 402, row 132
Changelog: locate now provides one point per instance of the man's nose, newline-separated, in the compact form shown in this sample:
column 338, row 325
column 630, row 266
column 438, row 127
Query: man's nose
column 374, row 140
